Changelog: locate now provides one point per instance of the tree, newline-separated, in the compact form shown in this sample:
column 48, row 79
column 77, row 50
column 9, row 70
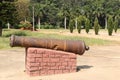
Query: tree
column 7, row 13
column 87, row 25
column 39, row 13
column 116, row 24
column 96, row 26
column 71, row 25
column 22, row 7
column 60, row 11
column 110, row 25
column 79, row 24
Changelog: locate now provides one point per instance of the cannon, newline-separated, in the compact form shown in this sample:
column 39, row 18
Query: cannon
column 74, row 46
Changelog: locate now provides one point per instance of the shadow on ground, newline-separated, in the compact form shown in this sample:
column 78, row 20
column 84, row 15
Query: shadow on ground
column 83, row 67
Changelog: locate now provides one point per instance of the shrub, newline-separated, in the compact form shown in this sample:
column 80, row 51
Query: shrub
column 79, row 24
column 96, row 26
column 116, row 25
column 71, row 25
column 47, row 26
column 110, row 25
column 87, row 25
column 18, row 33
column 25, row 25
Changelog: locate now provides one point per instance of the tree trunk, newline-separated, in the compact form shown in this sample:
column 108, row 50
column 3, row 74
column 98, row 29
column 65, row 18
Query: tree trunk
column 76, row 23
column 0, row 31
column 25, row 20
column 8, row 24
column 39, row 22
column 106, row 23
column 33, row 20
column 65, row 22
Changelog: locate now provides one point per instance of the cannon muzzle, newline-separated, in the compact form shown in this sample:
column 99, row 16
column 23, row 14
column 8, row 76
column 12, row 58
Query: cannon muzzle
column 75, row 46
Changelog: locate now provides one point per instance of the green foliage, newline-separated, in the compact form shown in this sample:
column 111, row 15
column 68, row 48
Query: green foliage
column 71, row 25
column 7, row 12
column 53, row 12
column 116, row 25
column 47, row 26
column 23, row 11
column 25, row 25
column 8, row 33
column 81, row 21
column 79, row 24
column 87, row 25
column 96, row 26
column 110, row 25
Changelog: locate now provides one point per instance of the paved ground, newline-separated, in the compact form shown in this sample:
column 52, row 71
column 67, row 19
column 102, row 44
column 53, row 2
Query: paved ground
column 99, row 63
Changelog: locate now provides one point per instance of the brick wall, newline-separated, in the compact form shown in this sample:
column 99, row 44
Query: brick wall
column 46, row 62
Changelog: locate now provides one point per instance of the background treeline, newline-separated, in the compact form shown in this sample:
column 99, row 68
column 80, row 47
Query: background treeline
column 60, row 13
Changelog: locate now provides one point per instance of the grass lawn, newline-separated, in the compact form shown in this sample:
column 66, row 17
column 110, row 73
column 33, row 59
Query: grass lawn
column 4, row 40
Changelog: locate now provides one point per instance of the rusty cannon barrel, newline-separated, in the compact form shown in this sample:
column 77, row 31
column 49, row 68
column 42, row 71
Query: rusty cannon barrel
column 75, row 46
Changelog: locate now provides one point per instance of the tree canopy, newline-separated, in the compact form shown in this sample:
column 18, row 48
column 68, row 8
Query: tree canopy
column 54, row 12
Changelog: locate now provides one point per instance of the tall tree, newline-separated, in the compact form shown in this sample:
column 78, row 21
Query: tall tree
column 96, row 26
column 110, row 25
column 22, row 7
column 7, row 13
column 65, row 9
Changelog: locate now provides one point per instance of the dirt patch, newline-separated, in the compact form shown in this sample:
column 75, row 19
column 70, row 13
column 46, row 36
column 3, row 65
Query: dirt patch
column 99, row 63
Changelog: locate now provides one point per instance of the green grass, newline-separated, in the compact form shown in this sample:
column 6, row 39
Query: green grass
column 4, row 40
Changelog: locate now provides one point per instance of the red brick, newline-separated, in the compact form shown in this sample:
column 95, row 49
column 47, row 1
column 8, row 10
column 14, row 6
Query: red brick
column 72, row 70
column 51, row 72
column 30, row 59
column 51, row 55
column 58, row 71
column 58, row 55
column 64, row 63
column 32, row 50
column 54, row 67
column 73, row 67
column 74, row 56
column 65, row 56
column 73, row 60
column 38, row 60
column 34, row 73
column 46, row 60
column 43, row 64
column 62, row 67
column 51, row 52
column 31, row 55
column 66, row 59
column 46, row 67
column 68, row 67
column 38, row 55
column 45, row 55
column 54, row 59
column 43, row 72
column 40, row 51
column 32, row 64
column 33, row 68
column 71, row 64
column 66, row 71
column 40, row 67
column 62, row 59
column 52, row 64
column 58, row 64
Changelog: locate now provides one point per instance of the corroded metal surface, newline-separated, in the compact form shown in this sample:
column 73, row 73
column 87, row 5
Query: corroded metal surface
column 77, row 47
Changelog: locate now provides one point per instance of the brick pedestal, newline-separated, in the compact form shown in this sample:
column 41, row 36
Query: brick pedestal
column 46, row 62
